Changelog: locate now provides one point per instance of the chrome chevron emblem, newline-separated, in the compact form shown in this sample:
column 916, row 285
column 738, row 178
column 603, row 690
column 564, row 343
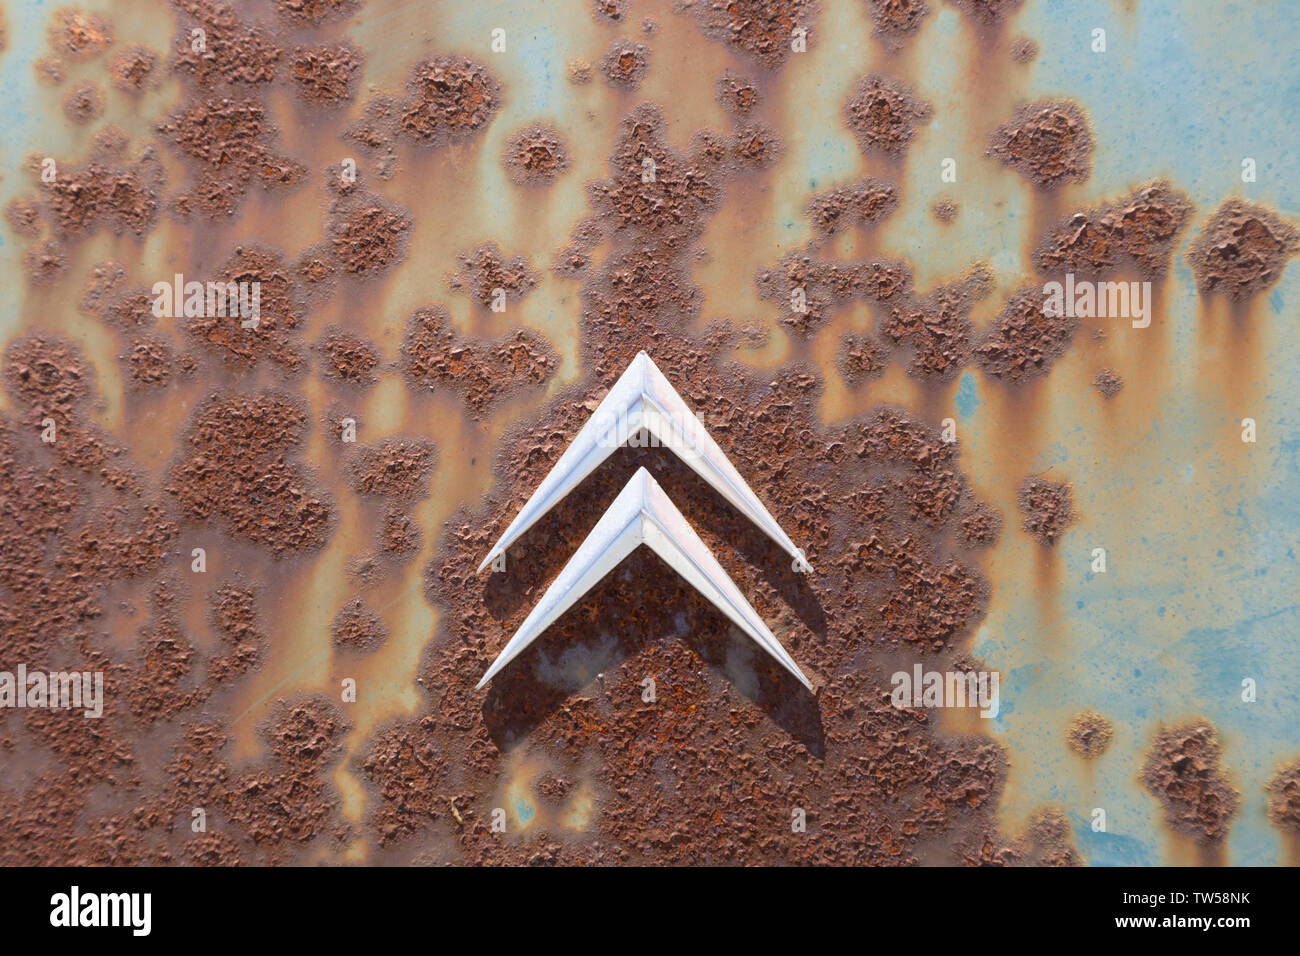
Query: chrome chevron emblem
column 643, row 514
column 643, row 399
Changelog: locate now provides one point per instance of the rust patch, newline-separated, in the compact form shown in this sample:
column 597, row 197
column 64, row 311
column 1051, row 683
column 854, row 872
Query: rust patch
column 228, row 143
column 315, row 12
column 944, row 210
column 482, row 373
column 134, row 69
column 368, row 237
column 609, row 11
column 1108, row 383
column 883, row 115
column 1182, row 771
column 234, row 617
column 274, row 339
column 755, row 147
column 981, row 526
column 395, row 469
column 860, row 357
column 1284, row 798
column 24, row 216
column 625, row 64
column 1241, row 250
column 1047, row 141
column 84, row 102
column 400, row 536
column 237, row 471
column 1089, row 734
column 987, row 12
column 863, row 203
column 937, row 328
column 125, row 310
column 316, row 270
column 78, row 35
column 536, row 156
column 1024, row 50
column 449, row 99
column 48, row 373
column 123, row 198
column 1141, row 230
column 348, row 358
column 1048, row 507
column 485, row 273
column 231, row 52
column 1025, row 341
column 357, row 627
column 409, row 767
column 763, row 30
column 149, row 363
column 670, row 205
column 738, row 95
column 45, row 262
column 897, row 19
column 326, row 76
column 818, row 284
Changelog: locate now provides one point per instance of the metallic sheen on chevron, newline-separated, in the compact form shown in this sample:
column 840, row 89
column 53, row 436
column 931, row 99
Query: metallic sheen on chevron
column 643, row 398
column 643, row 514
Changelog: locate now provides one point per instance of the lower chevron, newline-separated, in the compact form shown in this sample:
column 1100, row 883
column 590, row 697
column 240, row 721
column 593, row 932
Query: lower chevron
column 643, row 514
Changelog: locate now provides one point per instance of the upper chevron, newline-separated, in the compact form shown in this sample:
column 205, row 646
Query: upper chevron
column 643, row 398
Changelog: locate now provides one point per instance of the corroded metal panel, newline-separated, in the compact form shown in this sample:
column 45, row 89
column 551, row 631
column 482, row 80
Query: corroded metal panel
column 990, row 304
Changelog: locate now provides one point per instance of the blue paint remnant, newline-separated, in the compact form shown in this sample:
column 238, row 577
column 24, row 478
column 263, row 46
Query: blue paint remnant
column 967, row 397
column 1057, row 453
column 524, row 811
column 1219, row 657
column 1109, row 849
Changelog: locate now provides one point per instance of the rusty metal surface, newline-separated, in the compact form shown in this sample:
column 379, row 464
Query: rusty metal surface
column 519, row 170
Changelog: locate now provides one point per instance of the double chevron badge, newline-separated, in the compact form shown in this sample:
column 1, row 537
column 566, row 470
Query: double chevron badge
column 643, row 399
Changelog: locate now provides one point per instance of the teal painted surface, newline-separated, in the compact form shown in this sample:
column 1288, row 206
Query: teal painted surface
column 1203, row 586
